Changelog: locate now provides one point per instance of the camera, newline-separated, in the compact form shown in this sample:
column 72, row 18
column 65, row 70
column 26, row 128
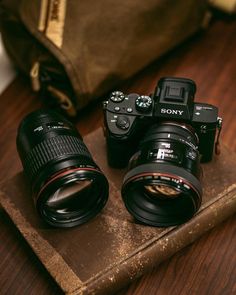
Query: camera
column 67, row 186
column 163, row 137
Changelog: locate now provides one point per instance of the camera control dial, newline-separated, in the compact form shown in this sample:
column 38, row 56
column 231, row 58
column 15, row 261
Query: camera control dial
column 117, row 96
column 143, row 103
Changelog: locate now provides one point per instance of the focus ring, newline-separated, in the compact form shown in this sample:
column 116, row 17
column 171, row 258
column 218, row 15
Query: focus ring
column 53, row 148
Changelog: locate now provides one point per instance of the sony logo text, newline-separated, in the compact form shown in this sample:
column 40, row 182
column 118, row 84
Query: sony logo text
column 172, row 112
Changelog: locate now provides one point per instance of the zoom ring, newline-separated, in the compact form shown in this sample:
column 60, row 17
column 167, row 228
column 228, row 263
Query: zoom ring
column 53, row 148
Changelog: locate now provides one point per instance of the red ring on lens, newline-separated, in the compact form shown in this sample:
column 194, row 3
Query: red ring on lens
column 61, row 174
column 183, row 181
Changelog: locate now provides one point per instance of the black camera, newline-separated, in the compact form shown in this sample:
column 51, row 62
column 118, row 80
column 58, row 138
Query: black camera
column 68, row 187
column 163, row 136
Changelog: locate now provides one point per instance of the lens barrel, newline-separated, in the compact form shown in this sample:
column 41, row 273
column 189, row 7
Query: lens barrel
column 68, row 187
column 162, row 186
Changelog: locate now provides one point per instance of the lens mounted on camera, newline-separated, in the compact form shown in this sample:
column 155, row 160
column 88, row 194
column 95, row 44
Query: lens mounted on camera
column 162, row 186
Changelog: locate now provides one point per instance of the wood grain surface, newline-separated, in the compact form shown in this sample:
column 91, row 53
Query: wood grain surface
column 205, row 267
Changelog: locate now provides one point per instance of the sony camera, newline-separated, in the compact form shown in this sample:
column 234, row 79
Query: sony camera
column 163, row 136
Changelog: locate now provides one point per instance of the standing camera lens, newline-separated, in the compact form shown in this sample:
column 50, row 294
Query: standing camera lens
column 162, row 185
column 67, row 186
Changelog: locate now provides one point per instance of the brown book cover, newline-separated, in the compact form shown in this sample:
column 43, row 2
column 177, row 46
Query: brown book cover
column 111, row 250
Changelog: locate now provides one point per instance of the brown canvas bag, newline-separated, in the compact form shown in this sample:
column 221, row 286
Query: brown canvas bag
column 76, row 51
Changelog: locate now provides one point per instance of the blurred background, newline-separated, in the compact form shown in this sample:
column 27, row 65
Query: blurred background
column 7, row 71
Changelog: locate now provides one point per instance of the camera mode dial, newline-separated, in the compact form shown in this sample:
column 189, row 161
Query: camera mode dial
column 143, row 103
column 117, row 96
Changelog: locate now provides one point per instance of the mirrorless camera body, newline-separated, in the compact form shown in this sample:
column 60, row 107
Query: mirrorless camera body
column 128, row 117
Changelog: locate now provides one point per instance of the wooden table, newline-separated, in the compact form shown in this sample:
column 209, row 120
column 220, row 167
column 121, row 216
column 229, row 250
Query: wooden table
column 206, row 267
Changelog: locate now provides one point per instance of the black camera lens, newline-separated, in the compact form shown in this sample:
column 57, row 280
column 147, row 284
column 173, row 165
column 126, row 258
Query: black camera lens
column 162, row 186
column 68, row 188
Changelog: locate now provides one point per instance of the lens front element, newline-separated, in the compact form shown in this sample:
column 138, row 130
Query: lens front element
column 161, row 191
column 68, row 195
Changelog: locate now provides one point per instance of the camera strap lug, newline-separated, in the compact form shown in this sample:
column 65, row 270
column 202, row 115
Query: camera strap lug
column 219, row 127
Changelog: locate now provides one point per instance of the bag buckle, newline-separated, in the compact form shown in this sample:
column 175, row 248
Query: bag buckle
column 39, row 83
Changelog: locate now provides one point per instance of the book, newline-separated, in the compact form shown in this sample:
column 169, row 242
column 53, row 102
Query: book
column 111, row 250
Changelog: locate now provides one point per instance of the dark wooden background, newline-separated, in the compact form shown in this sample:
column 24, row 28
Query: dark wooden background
column 206, row 267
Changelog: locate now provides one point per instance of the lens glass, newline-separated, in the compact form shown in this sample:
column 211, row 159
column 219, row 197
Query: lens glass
column 70, row 197
column 161, row 191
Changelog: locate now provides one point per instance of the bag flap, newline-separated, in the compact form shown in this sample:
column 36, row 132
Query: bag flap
column 100, row 44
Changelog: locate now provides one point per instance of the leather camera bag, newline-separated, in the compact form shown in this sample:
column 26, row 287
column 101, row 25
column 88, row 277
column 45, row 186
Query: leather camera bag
column 76, row 51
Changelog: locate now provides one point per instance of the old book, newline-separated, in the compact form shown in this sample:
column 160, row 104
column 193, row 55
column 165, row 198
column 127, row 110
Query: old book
column 111, row 250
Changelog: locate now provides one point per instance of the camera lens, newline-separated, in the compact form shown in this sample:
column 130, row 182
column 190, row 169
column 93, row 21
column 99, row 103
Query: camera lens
column 162, row 186
column 68, row 188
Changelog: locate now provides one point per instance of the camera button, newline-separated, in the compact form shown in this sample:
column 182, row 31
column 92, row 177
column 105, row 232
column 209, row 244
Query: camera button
column 191, row 154
column 129, row 110
column 123, row 122
column 117, row 96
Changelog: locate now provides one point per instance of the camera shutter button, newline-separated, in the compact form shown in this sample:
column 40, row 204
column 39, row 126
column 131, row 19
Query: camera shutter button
column 123, row 122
